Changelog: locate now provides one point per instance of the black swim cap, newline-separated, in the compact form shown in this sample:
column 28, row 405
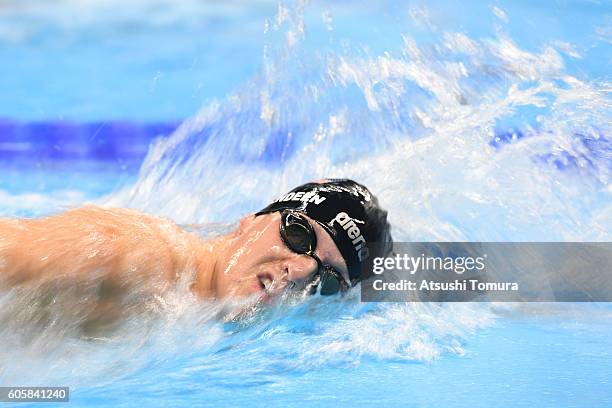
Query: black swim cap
column 349, row 212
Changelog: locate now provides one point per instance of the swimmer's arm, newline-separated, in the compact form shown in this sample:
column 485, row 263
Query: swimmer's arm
column 91, row 241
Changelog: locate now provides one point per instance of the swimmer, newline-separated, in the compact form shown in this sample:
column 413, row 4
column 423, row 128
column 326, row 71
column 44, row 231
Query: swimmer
column 314, row 238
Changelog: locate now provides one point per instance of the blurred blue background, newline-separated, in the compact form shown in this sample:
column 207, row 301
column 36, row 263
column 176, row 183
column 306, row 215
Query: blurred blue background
column 472, row 121
column 98, row 80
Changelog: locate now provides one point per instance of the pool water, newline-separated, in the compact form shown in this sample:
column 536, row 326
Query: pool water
column 471, row 122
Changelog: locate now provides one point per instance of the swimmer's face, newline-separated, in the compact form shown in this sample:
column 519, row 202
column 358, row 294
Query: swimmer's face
column 257, row 262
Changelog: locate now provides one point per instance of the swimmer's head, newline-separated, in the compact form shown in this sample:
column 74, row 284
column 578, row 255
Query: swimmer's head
column 316, row 234
column 348, row 212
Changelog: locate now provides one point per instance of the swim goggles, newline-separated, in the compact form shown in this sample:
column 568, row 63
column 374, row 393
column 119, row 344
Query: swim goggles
column 299, row 236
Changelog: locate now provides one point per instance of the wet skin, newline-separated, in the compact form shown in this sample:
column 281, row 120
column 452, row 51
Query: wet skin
column 125, row 246
column 255, row 260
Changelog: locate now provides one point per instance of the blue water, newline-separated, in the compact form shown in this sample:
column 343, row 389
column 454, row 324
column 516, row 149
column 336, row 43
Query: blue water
column 471, row 121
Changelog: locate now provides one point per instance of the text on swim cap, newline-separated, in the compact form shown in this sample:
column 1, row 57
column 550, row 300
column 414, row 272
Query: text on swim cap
column 307, row 197
column 354, row 233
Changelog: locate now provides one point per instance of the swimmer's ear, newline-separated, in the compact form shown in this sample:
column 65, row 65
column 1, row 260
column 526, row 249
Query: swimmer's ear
column 245, row 222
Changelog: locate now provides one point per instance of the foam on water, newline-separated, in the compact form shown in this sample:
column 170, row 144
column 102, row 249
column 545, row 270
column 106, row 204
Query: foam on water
column 423, row 127
column 418, row 126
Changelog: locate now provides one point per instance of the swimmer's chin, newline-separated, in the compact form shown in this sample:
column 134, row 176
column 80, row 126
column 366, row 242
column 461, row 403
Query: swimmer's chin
column 243, row 309
column 262, row 293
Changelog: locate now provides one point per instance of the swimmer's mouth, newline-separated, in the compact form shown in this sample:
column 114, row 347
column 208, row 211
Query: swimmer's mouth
column 268, row 285
column 265, row 281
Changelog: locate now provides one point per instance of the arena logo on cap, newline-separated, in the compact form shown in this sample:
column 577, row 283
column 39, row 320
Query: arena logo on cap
column 305, row 196
column 354, row 233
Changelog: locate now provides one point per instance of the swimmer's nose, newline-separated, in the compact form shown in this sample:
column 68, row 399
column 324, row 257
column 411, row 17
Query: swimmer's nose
column 300, row 268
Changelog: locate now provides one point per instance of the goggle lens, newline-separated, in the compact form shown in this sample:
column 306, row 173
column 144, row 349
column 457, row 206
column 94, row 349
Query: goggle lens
column 300, row 237
column 330, row 285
